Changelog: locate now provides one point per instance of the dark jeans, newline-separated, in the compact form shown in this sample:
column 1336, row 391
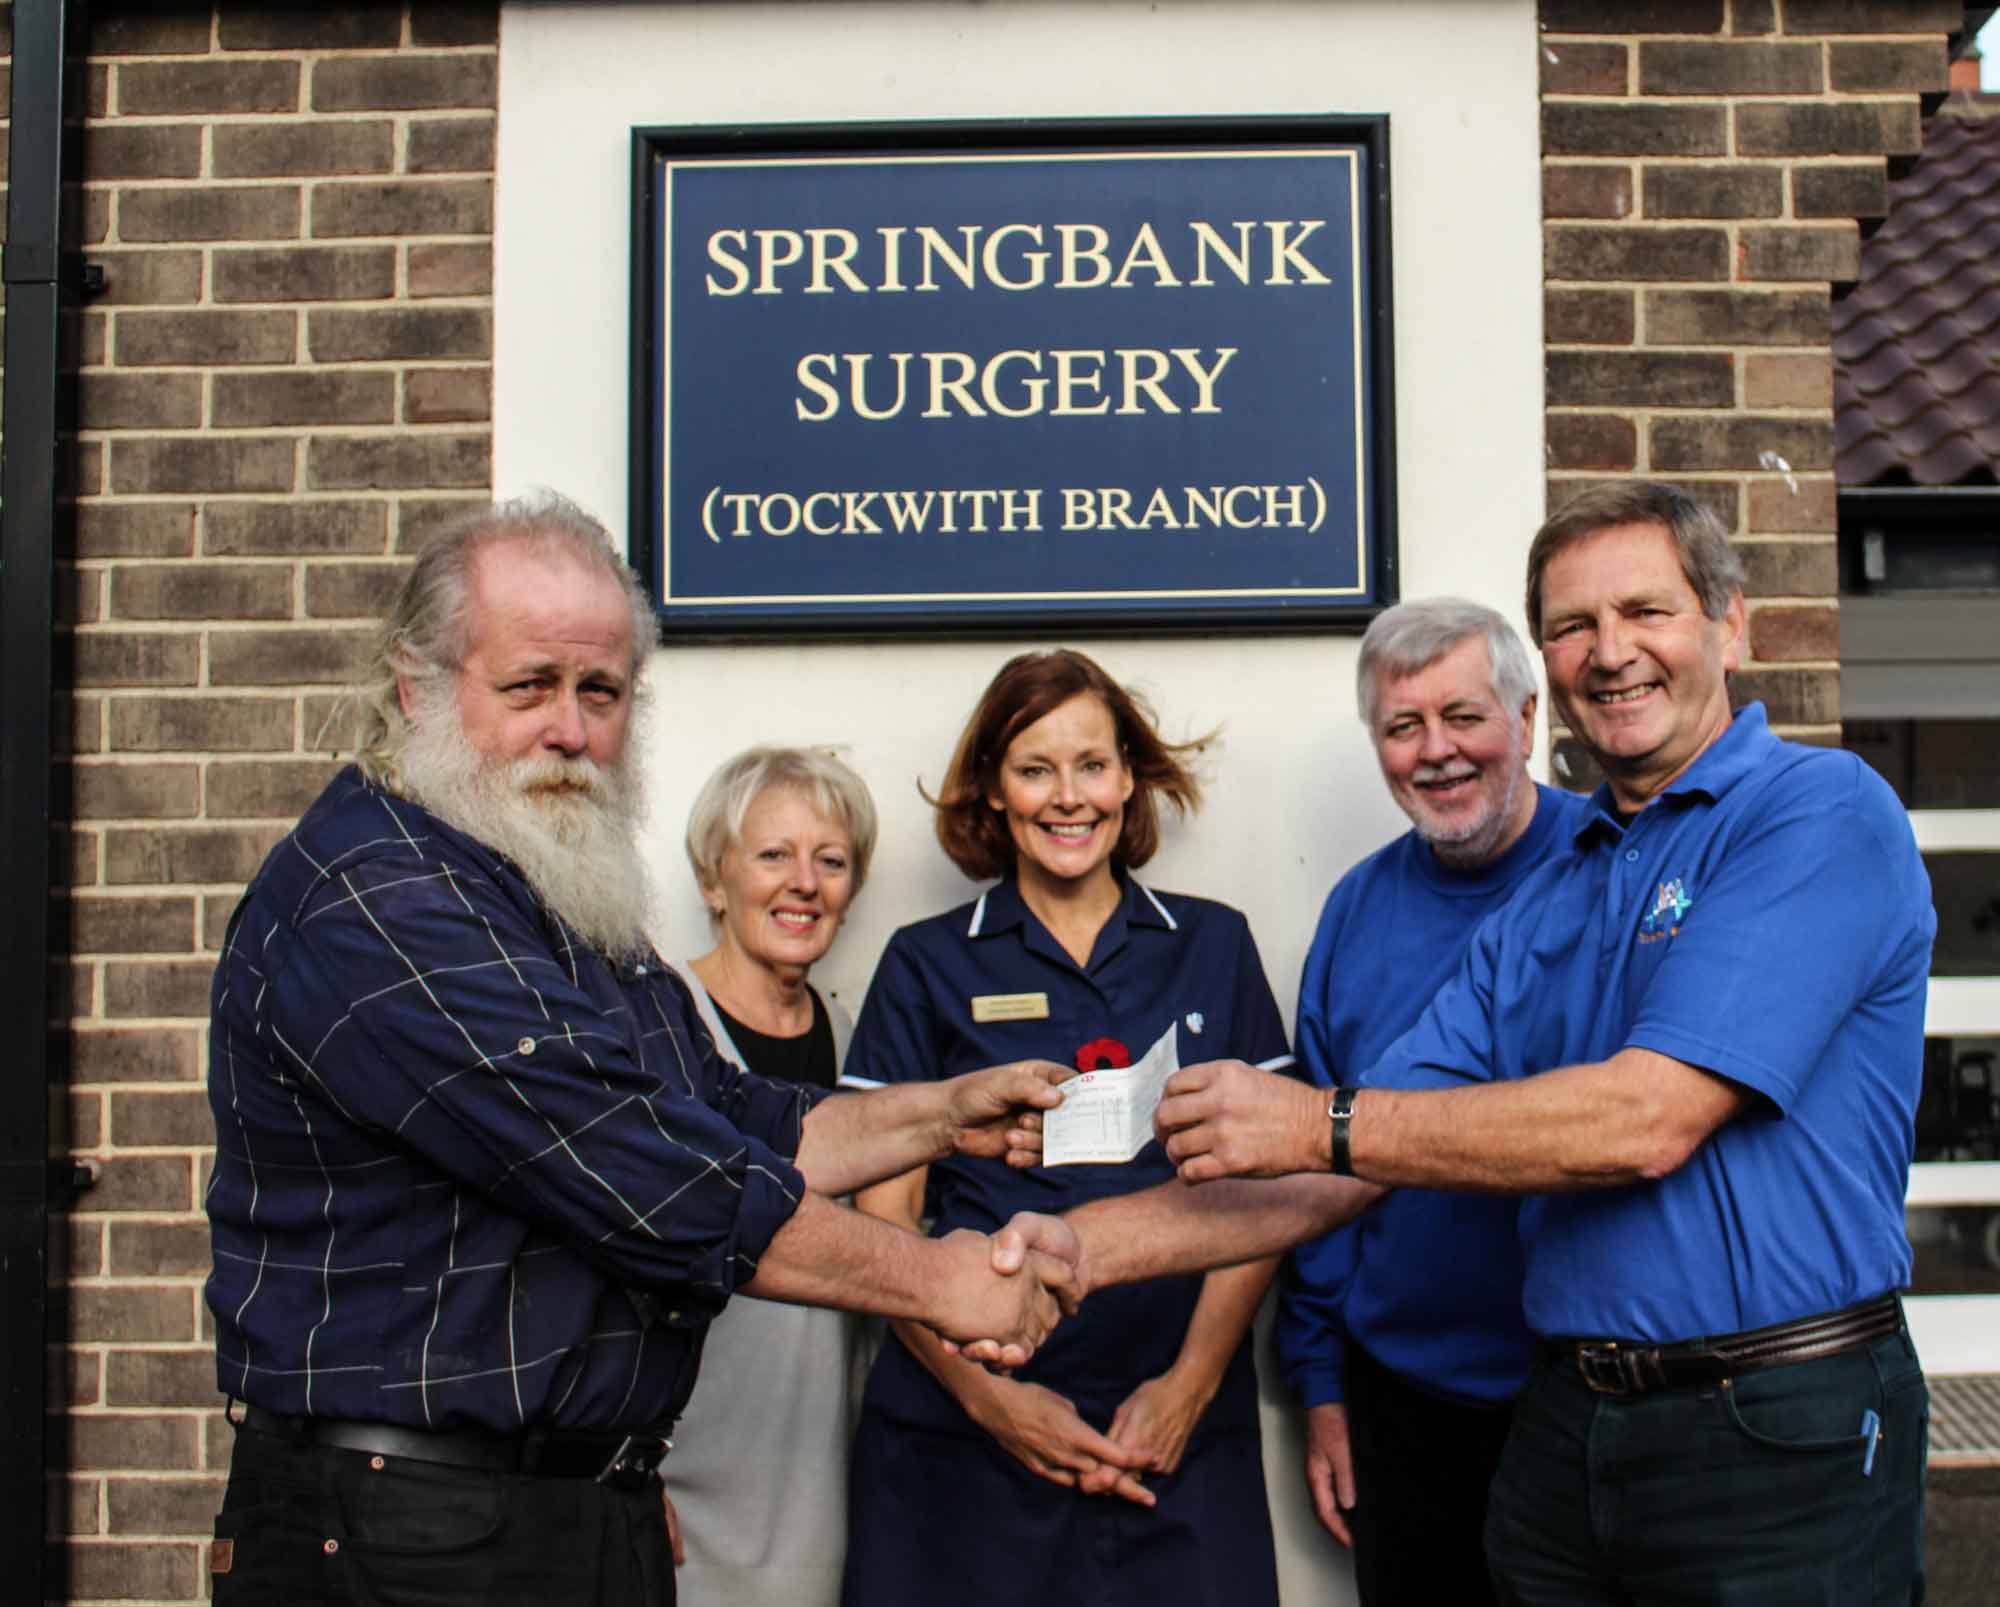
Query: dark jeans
column 316, row 1526
column 1422, row 1467
column 1757, row 1491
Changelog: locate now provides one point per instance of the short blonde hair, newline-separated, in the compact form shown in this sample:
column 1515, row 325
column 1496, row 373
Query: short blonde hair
column 834, row 790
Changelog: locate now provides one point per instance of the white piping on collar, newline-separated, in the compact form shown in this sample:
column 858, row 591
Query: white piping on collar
column 1172, row 924
column 979, row 911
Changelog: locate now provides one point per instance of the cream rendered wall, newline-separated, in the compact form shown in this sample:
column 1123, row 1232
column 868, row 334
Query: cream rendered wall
column 1295, row 797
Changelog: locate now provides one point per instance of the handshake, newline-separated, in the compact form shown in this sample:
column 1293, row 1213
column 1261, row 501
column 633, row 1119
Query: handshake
column 995, row 1298
column 1003, row 1294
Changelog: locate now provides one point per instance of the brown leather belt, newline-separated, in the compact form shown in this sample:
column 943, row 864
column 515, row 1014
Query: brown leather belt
column 1627, row 1367
column 625, row 1461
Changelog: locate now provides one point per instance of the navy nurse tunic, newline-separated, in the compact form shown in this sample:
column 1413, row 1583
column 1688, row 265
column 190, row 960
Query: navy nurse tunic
column 939, row 1511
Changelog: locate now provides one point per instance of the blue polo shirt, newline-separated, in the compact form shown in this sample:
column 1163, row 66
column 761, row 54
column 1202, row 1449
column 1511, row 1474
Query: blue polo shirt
column 1766, row 918
column 1161, row 961
column 1428, row 1283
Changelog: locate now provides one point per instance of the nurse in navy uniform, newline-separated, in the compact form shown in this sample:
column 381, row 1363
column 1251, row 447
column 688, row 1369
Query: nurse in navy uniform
column 1123, row 1465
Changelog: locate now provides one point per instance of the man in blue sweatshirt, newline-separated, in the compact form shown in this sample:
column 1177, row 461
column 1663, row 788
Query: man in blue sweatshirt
column 1402, row 1332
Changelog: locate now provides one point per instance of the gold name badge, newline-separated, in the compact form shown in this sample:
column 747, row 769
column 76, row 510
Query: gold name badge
column 1010, row 1007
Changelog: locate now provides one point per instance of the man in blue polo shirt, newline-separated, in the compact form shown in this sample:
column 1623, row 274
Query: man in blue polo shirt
column 1402, row 1333
column 1698, row 1041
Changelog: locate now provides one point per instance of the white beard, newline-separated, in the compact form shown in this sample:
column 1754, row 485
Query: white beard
column 1471, row 844
column 578, row 849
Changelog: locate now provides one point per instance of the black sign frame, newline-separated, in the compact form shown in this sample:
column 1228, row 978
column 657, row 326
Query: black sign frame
column 653, row 148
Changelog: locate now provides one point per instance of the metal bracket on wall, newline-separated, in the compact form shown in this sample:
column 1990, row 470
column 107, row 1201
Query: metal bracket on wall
column 68, row 1179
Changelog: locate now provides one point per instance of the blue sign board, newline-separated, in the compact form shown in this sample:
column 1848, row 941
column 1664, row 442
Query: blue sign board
column 1005, row 377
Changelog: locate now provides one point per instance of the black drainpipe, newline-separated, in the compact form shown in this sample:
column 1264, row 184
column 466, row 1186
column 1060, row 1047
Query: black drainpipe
column 44, row 278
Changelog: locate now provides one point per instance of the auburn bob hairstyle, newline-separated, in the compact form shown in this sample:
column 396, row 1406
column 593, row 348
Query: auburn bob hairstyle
column 974, row 834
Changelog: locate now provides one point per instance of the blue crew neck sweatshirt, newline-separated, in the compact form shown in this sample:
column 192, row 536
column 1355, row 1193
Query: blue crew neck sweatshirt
column 1428, row 1283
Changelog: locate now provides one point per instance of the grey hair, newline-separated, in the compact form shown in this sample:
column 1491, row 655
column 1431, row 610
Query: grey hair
column 427, row 632
column 1411, row 636
column 834, row 790
column 1711, row 565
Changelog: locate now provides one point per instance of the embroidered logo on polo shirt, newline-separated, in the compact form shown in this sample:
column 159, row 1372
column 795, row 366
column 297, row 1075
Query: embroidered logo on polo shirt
column 1670, row 906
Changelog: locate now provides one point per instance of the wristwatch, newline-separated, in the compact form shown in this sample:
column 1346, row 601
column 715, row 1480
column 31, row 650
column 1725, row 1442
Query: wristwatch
column 1340, row 1113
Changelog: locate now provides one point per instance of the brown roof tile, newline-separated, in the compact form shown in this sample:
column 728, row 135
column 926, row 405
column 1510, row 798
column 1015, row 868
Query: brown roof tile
column 1917, row 344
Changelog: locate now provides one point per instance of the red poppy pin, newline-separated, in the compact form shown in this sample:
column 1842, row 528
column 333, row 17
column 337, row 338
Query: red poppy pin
column 1102, row 1054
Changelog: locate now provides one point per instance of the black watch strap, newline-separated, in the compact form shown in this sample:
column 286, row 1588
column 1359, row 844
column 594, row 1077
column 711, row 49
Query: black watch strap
column 1340, row 1112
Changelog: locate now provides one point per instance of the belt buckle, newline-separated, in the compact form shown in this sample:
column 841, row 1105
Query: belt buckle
column 634, row 1463
column 1603, row 1367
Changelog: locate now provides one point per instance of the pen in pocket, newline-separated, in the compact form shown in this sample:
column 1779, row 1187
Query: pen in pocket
column 1871, row 1429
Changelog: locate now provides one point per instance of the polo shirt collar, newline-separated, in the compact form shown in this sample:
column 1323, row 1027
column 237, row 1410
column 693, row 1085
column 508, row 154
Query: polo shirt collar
column 1738, row 752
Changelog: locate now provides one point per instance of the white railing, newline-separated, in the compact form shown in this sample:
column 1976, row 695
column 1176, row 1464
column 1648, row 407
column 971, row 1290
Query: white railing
column 1946, row 830
column 1958, row 1333
column 1955, row 1183
column 1964, row 1007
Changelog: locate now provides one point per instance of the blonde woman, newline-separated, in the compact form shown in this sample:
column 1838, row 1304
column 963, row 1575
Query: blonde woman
column 780, row 840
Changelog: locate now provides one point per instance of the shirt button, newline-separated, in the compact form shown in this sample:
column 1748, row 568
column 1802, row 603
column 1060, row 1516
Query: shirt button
column 639, row 970
column 331, row 1547
column 1630, row 853
column 377, row 1463
column 673, row 1316
column 526, row 1046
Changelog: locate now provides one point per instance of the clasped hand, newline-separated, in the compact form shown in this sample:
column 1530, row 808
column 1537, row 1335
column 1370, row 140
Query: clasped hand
column 1045, row 1248
column 1044, row 1432
column 1001, row 1300
column 1041, row 1429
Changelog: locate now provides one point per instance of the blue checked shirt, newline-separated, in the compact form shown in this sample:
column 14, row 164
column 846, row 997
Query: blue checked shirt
column 467, row 1174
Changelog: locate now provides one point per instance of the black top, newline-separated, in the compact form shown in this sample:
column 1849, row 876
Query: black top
column 807, row 1059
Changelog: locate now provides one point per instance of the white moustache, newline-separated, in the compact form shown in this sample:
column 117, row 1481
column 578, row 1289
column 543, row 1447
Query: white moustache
column 553, row 774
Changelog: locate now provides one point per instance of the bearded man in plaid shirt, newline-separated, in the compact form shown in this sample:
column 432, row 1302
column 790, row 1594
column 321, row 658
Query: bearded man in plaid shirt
column 481, row 1180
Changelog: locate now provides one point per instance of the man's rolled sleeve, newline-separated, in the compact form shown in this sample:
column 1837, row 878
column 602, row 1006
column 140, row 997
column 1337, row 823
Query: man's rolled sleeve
column 430, row 1005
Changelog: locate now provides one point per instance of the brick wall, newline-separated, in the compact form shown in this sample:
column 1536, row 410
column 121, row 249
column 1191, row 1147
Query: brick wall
column 288, row 375
column 1704, row 165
